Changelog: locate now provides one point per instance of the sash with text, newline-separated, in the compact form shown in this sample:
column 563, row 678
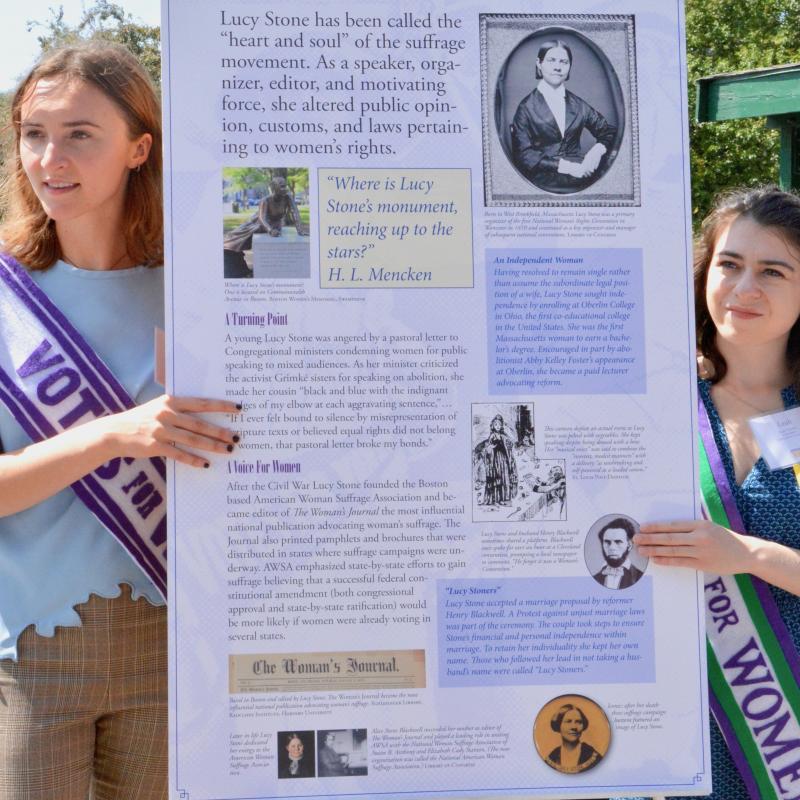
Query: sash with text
column 52, row 380
column 753, row 666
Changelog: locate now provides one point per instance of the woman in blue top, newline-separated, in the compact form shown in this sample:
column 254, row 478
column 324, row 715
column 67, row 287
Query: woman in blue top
column 747, row 284
column 82, row 628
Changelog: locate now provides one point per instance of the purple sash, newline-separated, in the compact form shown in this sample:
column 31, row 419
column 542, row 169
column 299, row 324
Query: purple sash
column 52, row 380
column 753, row 667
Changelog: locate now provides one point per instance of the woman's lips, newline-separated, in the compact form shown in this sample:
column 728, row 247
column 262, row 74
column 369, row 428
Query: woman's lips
column 743, row 313
column 59, row 187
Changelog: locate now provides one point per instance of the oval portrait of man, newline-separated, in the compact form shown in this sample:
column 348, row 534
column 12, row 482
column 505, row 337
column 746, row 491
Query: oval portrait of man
column 559, row 110
column 571, row 733
column 610, row 554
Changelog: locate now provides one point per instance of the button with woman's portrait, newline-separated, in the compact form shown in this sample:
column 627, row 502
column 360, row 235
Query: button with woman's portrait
column 571, row 733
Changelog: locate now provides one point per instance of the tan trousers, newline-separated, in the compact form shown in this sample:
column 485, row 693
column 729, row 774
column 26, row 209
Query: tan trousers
column 84, row 713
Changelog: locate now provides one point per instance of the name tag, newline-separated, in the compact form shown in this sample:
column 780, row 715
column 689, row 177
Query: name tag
column 778, row 436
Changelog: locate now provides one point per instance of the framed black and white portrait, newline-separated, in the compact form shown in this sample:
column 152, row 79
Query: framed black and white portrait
column 560, row 121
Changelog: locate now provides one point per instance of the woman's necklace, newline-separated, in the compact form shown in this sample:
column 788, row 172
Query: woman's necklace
column 743, row 400
column 109, row 268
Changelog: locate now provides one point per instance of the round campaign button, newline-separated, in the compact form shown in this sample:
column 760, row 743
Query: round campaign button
column 571, row 733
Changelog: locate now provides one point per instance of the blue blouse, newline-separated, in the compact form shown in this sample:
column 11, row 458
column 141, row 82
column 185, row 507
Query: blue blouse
column 54, row 555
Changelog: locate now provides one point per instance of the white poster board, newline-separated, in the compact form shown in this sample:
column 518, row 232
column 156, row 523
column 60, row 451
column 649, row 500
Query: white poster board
column 455, row 304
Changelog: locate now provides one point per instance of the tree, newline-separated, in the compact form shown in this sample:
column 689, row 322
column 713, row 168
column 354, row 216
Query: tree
column 240, row 179
column 243, row 178
column 731, row 36
column 106, row 21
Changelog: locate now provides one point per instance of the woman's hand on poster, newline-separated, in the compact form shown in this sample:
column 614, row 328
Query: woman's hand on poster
column 167, row 426
column 696, row 544
column 170, row 427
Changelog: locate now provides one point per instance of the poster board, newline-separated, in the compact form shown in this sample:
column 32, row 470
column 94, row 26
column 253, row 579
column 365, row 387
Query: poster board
column 467, row 376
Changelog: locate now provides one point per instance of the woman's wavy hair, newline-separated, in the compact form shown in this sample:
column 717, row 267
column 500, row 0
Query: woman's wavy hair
column 28, row 233
column 558, row 717
column 770, row 207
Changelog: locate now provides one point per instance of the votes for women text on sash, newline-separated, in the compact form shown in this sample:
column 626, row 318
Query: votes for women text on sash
column 52, row 380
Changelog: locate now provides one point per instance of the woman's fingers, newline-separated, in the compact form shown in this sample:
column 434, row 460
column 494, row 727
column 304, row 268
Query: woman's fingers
column 180, row 412
column 185, row 457
column 646, row 544
column 200, row 429
column 670, row 527
column 182, row 432
column 201, row 405
column 672, row 550
column 169, row 426
column 214, row 440
column 664, row 561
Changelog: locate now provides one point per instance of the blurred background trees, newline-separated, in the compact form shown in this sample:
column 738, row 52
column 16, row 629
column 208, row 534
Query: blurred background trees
column 103, row 20
column 107, row 21
column 731, row 36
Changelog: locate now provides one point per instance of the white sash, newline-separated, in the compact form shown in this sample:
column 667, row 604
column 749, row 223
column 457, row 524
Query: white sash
column 52, row 380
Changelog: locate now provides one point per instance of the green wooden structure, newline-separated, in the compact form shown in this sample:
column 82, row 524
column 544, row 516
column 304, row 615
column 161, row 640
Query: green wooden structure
column 773, row 93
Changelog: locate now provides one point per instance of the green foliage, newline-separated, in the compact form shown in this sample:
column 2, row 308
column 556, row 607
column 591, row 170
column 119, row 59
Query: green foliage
column 731, row 36
column 297, row 178
column 242, row 178
column 107, row 21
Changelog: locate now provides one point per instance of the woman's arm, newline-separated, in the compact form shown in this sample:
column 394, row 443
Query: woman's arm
column 528, row 146
column 702, row 545
column 166, row 426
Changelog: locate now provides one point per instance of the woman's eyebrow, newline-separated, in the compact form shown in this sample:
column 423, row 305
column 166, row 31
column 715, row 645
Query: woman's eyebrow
column 772, row 262
column 78, row 123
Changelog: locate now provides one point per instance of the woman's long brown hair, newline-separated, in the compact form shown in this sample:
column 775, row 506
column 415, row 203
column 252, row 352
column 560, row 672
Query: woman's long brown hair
column 770, row 207
column 27, row 233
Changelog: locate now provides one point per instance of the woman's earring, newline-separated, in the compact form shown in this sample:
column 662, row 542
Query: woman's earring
column 705, row 368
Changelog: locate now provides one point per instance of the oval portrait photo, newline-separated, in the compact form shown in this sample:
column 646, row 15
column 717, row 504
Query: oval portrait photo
column 610, row 554
column 571, row 733
column 559, row 110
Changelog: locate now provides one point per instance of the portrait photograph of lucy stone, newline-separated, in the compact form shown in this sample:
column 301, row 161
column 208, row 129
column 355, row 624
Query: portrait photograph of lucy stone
column 551, row 122
column 559, row 110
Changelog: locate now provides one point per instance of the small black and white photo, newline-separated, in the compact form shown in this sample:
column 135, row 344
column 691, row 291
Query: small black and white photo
column 610, row 553
column 560, row 123
column 296, row 754
column 509, row 481
column 342, row 752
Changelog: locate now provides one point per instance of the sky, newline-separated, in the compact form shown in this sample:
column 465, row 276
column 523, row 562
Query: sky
column 18, row 48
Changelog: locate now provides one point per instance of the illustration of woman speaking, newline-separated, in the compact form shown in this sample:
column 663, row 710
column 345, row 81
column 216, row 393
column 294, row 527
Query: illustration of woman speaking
column 496, row 454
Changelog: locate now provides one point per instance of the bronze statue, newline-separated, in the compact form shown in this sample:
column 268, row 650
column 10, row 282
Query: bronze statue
column 274, row 211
